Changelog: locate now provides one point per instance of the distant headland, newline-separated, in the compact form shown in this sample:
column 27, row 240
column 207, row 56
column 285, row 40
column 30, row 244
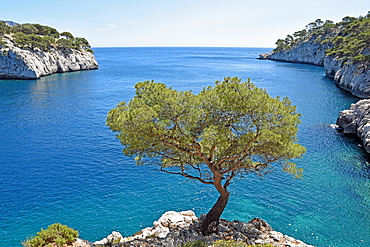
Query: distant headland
column 29, row 51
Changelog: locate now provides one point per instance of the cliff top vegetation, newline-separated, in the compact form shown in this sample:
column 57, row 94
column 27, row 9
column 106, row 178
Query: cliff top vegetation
column 348, row 39
column 39, row 36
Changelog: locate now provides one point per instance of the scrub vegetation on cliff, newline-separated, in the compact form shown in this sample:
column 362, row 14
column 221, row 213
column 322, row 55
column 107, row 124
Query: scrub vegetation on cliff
column 42, row 37
column 348, row 39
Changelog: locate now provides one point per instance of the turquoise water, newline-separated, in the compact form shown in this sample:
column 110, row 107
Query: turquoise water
column 60, row 163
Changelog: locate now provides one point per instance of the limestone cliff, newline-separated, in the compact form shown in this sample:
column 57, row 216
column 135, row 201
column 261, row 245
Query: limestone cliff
column 307, row 51
column 27, row 63
column 180, row 228
column 351, row 76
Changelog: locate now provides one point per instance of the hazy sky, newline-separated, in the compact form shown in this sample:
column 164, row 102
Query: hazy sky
column 238, row 23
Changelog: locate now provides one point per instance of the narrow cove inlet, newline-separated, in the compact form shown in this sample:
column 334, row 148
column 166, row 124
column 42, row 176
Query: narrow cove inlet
column 61, row 163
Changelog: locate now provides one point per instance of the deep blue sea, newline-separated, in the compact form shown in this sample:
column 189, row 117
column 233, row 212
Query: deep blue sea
column 60, row 163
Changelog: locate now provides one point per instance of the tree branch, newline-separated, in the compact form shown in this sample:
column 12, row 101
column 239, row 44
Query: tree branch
column 187, row 176
column 244, row 154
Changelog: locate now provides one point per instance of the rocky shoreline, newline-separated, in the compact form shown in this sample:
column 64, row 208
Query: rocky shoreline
column 26, row 63
column 174, row 229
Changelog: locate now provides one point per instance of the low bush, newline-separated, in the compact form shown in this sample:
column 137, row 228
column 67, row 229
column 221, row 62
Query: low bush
column 195, row 244
column 55, row 235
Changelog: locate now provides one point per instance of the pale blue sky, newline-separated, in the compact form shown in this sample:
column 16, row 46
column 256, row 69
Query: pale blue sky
column 234, row 23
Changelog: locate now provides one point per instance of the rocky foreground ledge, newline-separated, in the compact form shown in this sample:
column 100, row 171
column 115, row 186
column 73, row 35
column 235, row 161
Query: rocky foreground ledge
column 26, row 63
column 174, row 229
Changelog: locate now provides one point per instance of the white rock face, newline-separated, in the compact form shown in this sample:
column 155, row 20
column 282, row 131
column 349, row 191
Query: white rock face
column 114, row 237
column 352, row 76
column 161, row 227
column 166, row 222
column 21, row 63
column 307, row 52
column 356, row 120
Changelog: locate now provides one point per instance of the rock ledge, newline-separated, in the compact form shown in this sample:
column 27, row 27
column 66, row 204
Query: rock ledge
column 173, row 229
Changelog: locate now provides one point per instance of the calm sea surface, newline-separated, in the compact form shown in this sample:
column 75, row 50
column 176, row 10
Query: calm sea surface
column 60, row 163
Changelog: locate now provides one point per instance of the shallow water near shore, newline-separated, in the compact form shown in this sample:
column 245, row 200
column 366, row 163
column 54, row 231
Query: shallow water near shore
column 60, row 163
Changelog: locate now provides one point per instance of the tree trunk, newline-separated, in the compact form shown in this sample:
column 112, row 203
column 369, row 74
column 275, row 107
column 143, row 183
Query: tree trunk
column 210, row 223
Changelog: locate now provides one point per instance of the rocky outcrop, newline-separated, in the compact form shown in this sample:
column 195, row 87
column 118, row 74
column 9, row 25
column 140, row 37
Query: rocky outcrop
column 22, row 63
column 351, row 76
column 175, row 229
column 356, row 121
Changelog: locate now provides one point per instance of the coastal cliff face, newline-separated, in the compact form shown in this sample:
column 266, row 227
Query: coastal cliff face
column 353, row 76
column 27, row 63
column 308, row 51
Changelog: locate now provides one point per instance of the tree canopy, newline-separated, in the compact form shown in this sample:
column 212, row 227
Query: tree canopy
column 228, row 130
column 348, row 38
column 43, row 37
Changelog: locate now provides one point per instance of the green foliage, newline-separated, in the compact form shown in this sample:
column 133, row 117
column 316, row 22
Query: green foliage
column 66, row 43
column 352, row 39
column 4, row 28
column 82, row 42
column 43, row 37
column 229, row 243
column 46, row 31
column 55, row 235
column 90, row 50
column 33, row 41
column 67, row 35
column 24, row 29
column 229, row 130
column 195, row 244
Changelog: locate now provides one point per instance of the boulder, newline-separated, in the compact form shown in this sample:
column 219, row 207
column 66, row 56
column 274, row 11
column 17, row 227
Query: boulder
column 356, row 121
column 114, row 237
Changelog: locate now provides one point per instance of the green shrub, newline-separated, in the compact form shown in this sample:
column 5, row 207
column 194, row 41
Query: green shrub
column 233, row 243
column 229, row 243
column 55, row 235
column 90, row 50
column 195, row 244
